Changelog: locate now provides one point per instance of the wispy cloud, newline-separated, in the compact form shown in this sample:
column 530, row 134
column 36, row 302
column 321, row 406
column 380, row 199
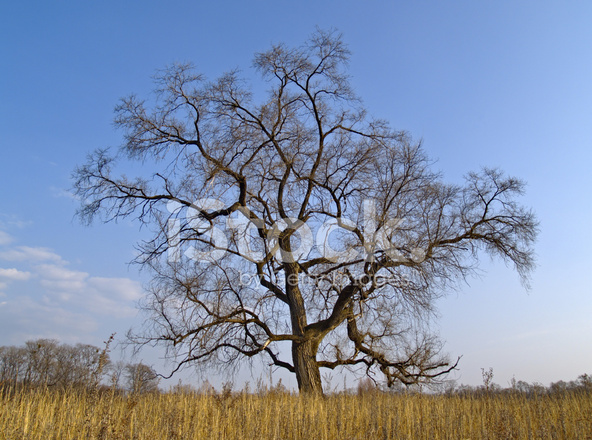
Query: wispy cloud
column 30, row 254
column 107, row 296
column 28, row 318
column 55, row 300
column 14, row 274
column 8, row 221
column 5, row 238
column 61, row 193
column 9, row 275
column 59, row 278
column 122, row 289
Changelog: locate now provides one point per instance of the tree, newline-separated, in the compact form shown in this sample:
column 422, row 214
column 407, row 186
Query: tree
column 78, row 365
column 46, row 362
column 237, row 191
column 141, row 378
column 116, row 372
column 12, row 364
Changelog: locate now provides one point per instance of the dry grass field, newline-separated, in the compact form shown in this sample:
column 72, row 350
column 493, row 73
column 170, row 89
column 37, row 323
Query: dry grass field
column 43, row 414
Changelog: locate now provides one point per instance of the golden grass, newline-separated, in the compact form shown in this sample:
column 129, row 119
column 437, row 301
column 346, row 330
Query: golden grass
column 42, row 414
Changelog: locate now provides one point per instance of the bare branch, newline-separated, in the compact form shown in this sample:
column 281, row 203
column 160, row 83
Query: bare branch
column 235, row 189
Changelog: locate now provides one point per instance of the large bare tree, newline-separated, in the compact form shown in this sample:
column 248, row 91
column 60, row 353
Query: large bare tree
column 296, row 220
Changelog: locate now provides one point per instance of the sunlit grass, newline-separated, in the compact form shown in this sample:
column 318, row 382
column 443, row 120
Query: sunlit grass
column 44, row 414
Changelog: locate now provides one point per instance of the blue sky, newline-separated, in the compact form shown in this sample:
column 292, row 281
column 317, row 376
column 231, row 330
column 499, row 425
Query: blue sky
column 505, row 84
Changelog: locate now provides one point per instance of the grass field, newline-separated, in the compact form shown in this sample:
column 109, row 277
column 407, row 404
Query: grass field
column 44, row 414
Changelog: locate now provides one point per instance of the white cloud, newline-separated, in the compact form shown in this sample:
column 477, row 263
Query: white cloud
column 14, row 274
column 5, row 238
column 62, row 193
column 55, row 300
column 31, row 254
column 8, row 221
column 26, row 318
column 118, row 288
column 58, row 278
column 109, row 296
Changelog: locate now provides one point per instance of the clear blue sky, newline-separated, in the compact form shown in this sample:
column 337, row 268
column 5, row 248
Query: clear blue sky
column 503, row 83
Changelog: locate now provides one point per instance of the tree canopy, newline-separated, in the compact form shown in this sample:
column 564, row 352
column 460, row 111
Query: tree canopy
column 296, row 220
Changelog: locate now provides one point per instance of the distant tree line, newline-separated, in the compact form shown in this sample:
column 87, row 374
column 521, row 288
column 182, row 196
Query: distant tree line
column 582, row 384
column 47, row 362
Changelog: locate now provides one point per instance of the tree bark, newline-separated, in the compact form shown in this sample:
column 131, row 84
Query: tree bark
column 305, row 364
column 304, row 350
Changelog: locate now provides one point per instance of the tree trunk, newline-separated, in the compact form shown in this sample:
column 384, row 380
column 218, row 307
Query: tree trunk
column 304, row 351
column 307, row 371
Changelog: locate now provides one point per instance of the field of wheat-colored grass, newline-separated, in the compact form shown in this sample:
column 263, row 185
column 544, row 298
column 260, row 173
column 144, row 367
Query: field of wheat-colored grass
column 44, row 414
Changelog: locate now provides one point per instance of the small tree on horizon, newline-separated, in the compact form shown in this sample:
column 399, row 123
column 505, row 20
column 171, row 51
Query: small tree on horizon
column 141, row 378
column 296, row 221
